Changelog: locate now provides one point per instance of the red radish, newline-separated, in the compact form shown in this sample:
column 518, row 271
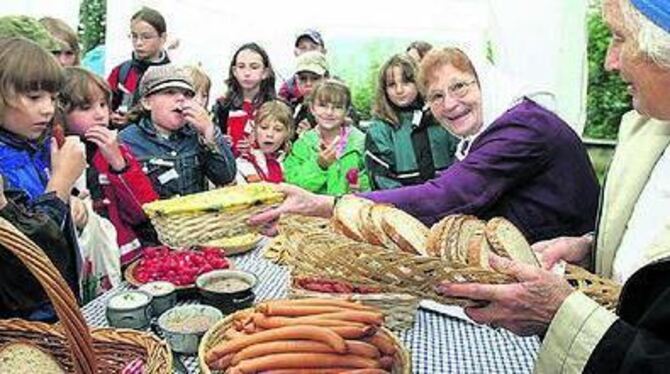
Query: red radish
column 352, row 176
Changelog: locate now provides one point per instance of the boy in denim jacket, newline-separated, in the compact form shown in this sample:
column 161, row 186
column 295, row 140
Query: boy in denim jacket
column 174, row 139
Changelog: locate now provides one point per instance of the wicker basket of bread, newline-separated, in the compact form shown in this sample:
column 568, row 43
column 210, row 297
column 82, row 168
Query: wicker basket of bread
column 212, row 218
column 307, row 335
column 69, row 346
column 379, row 245
column 295, row 231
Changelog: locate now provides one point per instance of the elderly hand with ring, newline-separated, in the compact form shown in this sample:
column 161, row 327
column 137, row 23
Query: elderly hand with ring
column 525, row 307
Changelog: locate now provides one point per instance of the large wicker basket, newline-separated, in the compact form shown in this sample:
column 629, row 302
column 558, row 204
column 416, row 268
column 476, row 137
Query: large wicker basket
column 72, row 344
column 215, row 335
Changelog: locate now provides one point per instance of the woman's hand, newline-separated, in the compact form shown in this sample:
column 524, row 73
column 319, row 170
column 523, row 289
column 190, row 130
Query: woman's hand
column 298, row 201
column 108, row 144
column 573, row 249
column 525, row 308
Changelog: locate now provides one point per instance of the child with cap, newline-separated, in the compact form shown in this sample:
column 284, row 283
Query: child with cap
column 307, row 40
column 174, row 138
column 311, row 70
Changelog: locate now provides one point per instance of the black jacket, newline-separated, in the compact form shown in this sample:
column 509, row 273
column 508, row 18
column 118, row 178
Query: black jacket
column 638, row 342
column 21, row 295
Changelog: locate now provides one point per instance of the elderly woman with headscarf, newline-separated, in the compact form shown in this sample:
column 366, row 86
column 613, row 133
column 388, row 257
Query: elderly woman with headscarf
column 517, row 158
column 633, row 243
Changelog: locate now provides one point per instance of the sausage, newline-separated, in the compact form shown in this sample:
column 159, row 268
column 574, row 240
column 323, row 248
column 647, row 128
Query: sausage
column 320, row 334
column 288, row 310
column 324, row 371
column 353, row 332
column 386, row 362
column 281, row 346
column 381, row 341
column 354, row 347
column 325, row 302
column 261, row 320
column 305, row 360
column 368, row 318
column 222, row 363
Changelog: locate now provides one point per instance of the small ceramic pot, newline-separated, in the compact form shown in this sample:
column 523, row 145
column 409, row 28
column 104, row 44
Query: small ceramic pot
column 213, row 289
column 183, row 326
column 164, row 296
column 129, row 309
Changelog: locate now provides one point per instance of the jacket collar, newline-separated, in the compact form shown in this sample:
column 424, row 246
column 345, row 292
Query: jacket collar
column 19, row 142
column 148, row 127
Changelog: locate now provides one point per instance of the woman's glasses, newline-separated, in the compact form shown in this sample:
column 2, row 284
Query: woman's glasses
column 457, row 90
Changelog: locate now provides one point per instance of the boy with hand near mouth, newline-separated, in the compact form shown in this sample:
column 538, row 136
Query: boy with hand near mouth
column 174, row 139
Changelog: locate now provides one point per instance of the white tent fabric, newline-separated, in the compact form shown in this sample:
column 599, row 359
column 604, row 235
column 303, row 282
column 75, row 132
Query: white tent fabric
column 541, row 41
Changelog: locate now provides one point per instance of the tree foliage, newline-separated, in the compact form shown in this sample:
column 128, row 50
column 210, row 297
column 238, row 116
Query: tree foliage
column 607, row 99
column 92, row 21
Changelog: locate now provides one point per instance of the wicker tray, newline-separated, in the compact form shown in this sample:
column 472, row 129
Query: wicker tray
column 198, row 219
column 215, row 335
column 398, row 308
column 76, row 347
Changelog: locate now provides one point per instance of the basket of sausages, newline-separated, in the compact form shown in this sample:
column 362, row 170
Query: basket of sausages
column 399, row 308
column 303, row 336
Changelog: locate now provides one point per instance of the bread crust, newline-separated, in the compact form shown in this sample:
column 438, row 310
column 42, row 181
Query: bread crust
column 518, row 250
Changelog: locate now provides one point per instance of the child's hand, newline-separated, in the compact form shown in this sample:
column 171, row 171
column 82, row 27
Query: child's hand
column 119, row 119
column 79, row 212
column 198, row 117
column 328, row 154
column 67, row 164
column 244, row 146
column 303, row 126
column 108, row 144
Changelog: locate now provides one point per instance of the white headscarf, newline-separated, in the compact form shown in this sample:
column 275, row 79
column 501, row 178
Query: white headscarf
column 499, row 94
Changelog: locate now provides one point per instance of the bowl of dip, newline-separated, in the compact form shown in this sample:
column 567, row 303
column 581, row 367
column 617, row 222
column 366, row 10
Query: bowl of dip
column 228, row 290
column 164, row 296
column 183, row 326
column 129, row 309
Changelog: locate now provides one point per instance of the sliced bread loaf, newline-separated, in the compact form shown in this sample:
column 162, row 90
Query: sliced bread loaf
column 27, row 358
column 507, row 241
column 470, row 227
column 346, row 216
column 405, row 231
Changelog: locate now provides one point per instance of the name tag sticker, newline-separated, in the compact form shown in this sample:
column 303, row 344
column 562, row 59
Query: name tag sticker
column 416, row 118
column 168, row 176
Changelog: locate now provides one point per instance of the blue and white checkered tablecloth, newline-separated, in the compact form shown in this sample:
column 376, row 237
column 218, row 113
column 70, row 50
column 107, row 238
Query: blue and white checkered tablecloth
column 438, row 344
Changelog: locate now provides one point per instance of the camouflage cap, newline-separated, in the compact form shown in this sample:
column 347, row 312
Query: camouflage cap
column 29, row 28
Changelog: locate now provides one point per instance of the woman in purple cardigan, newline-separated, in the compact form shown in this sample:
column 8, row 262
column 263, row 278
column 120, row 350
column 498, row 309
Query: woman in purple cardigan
column 517, row 159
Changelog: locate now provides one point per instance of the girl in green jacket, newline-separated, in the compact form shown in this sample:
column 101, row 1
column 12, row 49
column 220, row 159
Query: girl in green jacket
column 329, row 158
column 404, row 145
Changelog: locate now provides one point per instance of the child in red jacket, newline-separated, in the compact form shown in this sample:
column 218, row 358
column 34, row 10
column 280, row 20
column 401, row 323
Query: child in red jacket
column 271, row 134
column 116, row 182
